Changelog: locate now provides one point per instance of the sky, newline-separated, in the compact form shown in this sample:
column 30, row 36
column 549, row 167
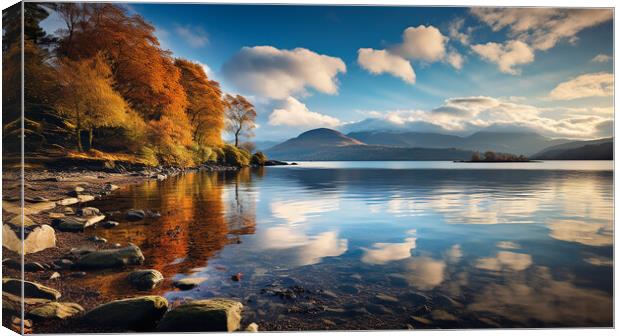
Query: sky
column 449, row 70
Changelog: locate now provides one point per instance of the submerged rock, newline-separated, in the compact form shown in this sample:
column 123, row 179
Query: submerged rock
column 135, row 215
column 203, row 315
column 130, row 255
column 188, row 283
column 31, row 289
column 139, row 313
column 56, row 310
column 109, row 224
column 145, row 279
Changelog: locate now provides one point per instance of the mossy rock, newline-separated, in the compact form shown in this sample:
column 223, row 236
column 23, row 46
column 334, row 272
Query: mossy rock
column 130, row 255
column 139, row 313
column 55, row 310
column 203, row 315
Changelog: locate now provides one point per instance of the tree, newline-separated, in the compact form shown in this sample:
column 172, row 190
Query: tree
column 87, row 97
column 240, row 117
column 205, row 104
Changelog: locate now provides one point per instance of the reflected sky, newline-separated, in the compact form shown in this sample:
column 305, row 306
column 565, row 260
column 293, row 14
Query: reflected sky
column 511, row 248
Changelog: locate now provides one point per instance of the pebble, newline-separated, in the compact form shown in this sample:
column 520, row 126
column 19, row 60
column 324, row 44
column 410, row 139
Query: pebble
column 54, row 275
column 109, row 224
column 98, row 239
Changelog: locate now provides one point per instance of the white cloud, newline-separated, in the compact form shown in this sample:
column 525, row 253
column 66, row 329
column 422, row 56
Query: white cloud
column 588, row 85
column 294, row 113
column 601, row 58
column 195, row 36
column 424, row 43
column 206, row 68
column 506, row 55
column 278, row 74
column 504, row 261
column 455, row 31
column 586, row 233
column 542, row 28
column 425, row 273
column 455, row 60
column 383, row 61
column 382, row 253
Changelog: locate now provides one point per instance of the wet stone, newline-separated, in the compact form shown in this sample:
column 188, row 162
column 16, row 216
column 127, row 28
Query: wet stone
column 135, row 215
column 145, row 279
column 188, row 283
column 109, row 224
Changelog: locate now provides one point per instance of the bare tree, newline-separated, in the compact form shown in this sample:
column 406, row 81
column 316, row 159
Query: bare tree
column 240, row 117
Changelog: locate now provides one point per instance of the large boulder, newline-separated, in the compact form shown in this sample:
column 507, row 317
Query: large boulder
column 140, row 313
column 73, row 224
column 145, row 279
column 36, row 238
column 130, row 255
column 32, row 290
column 203, row 315
column 55, row 310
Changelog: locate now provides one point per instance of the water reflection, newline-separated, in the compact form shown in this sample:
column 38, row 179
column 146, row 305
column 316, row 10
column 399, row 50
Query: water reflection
column 541, row 258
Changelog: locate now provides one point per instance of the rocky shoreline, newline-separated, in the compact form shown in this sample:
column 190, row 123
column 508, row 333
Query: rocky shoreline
column 59, row 249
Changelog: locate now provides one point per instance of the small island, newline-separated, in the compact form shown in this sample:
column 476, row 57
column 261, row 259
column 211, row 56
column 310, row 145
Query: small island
column 490, row 156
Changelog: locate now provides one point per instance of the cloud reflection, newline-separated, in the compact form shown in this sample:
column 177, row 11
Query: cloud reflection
column 425, row 273
column 382, row 253
column 505, row 260
column 586, row 233
column 305, row 249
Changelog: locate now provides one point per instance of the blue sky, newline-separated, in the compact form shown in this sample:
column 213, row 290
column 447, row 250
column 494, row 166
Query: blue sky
column 550, row 71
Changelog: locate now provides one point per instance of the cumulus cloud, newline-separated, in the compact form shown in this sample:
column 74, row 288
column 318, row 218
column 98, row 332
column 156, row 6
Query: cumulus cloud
column 196, row 37
column 507, row 55
column 421, row 43
column 455, row 31
column 588, row 85
column 543, row 28
column 294, row 113
column 383, row 61
column 601, row 58
column 465, row 115
column 278, row 74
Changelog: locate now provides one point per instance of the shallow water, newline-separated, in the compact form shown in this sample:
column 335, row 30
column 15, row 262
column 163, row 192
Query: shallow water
column 359, row 245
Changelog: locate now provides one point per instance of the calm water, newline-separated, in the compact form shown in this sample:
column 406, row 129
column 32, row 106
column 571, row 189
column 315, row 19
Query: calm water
column 368, row 245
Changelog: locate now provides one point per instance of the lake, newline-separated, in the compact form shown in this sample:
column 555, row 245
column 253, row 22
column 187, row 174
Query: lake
column 383, row 245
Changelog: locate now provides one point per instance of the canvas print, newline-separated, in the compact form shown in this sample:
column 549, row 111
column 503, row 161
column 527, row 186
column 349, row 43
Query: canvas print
column 174, row 167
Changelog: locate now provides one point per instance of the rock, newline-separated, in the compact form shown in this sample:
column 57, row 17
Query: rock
column 34, row 267
column 88, row 211
column 56, row 310
column 117, row 245
column 139, row 313
column 36, row 199
column 31, row 289
column 37, row 238
column 110, row 187
column 12, row 263
column 130, row 255
column 386, row 298
column 135, row 215
column 442, row 315
column 17, row 324
column 73, row 224
column 98, row 239
column 161, row 177
column 203, row 315
column 54, row 275
column 62, row 264
column 76, row 191
column 19, row 220
column 68, row 201
column 85, row 198
column 145, row 279
column 56, row 215
column 68, row 211
column 188, row 283
column 77, row 274
column 236, row 277
column 109, row 224
column 421, row 320
column 252, row 327
column 29, row 209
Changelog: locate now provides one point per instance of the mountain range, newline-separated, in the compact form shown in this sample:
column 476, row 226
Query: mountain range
column 325, row 144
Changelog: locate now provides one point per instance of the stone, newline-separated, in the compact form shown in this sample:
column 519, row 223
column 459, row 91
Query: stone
column 110, row 187
column 421, row 320
column 109, row 224
column 68, row 201
column 37, row 238
column 31, row 289
column 85, row 198
column 36, row 199
column 62, row 264
column 236, row 277
column 68, row 211
column 161, row 177
column 55, row 310
column 203, row 315
column 252, row 327
column 34, row 267
column 145, row 279
column 188, row 283
column 88, row 211
column 56, row 215
column 54, row 276
column 19, row 220
column 73, row 224
column 139, row 313
column 130, row 255
column 98, row 239
column 12, row 263
column 135, row 215
column 386, row 298
column 442, row 315
column 77, row 274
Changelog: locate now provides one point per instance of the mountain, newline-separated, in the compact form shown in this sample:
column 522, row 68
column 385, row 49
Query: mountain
column 525, row 143
column 262, row 145
column 329, row 145
column 600, row 149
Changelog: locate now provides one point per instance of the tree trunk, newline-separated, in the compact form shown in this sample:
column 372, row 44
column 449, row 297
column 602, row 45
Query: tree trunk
column 90, row 138
column 78, row 138
column 237, row 138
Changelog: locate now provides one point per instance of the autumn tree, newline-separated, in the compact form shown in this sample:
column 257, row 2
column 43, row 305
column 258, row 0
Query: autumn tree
column 205, row 104
column 87, row 96
column 240, row 117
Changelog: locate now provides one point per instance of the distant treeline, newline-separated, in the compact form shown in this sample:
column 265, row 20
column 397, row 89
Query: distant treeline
column 103, row 81
column 490, row 156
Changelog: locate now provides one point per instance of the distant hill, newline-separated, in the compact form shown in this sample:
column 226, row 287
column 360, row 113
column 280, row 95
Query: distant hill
column 525, row 143
column 329, row 145
column 601, row 149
